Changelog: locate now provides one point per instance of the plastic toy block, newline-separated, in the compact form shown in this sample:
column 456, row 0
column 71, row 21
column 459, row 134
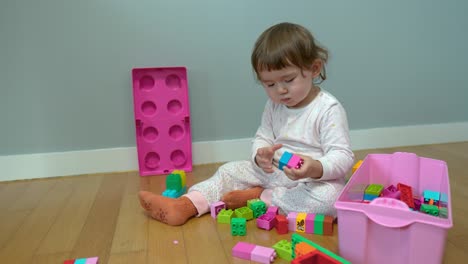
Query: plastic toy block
column 429, row 209
column 300, row 222
column 406, row 194
column 391, row 192
column 431, row 195
column 244, row 212
column 243, row 250
column 374, row 189
column 281, row 224
column 92, row 260
column 328, row 225
column 174, row 182
column 295, row 162
column 292, row 221
column 251, row 201
column 369, row 197
column 70, row 261
column 216, row 208
column 357, row 165
column 443, row 212
column 443, row 199
column 283, row 249
column 225, row 216
column 266, row 221
column 174, row 193
column 263, row 254
column 272, row 210
column 315, row 257
column 238, row 226
column 318, row 224
column 80, row 261
column 284, row 159
column 296, row 239
column 183, row 176
column 309, row 223
column 303, row 248
column 258, row 208
column 417, row 204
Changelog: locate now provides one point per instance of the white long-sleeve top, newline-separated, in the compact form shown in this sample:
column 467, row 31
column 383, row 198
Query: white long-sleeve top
column 319, row 130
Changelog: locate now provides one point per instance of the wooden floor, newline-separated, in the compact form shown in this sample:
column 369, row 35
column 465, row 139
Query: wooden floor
column 51, row 220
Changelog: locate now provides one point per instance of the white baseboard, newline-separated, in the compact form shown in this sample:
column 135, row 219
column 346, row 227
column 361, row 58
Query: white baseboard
column 43, row 165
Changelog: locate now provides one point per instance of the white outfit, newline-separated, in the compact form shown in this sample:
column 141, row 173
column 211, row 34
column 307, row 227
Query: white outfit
column 318, row 130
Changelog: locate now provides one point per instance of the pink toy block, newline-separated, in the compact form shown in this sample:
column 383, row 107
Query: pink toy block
column 243, row 250
column 272, row 210
column 162, row 120
column 309, row 227
column 216, row 208
column 92, row 260
column 292, row 221
column 391, row 192
column 295, row 162
column 263, row 254
column 266, row 221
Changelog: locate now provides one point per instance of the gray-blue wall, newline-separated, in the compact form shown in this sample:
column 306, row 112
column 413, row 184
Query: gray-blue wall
column 65, row 80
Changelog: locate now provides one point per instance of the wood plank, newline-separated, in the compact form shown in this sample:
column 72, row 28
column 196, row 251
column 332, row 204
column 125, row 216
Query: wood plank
column 9, row 224
column 132, row 227
column 69, row 223
column 166, row 244
column 21, row 248
column 96, row 236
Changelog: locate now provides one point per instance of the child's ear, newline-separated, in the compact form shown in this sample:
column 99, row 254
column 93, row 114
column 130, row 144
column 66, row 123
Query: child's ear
column 316, row 68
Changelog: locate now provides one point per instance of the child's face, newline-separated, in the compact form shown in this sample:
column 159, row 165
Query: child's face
column 289, row 86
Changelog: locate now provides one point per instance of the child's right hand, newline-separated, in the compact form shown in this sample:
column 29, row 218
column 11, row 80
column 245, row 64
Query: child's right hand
column 264, row 157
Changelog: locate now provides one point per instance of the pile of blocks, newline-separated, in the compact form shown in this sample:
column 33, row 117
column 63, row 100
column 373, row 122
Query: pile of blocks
column 175, row 184
column 299, row 251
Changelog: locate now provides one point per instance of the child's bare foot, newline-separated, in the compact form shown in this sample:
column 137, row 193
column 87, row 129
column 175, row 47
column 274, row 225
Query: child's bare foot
column 239, row 198
column 167, row 210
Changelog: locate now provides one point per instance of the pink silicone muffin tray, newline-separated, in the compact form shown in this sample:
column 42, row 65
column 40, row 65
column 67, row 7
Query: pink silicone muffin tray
column 162, row 120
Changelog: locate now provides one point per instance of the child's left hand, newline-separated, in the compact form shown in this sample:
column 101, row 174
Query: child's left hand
column 310, row 169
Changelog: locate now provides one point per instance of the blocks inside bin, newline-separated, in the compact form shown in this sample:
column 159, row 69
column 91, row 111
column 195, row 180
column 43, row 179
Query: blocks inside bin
column 366, row 232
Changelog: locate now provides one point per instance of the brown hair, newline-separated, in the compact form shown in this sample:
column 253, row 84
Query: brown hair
column 287, row 44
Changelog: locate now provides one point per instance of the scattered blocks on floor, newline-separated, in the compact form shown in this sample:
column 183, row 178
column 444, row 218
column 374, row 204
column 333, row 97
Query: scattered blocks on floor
column 283, row 249
column 281, row 224
column 257, row 206
column 296, row 239
column 93, row 260
column 244, row 212
column 266, row 221
column 253, row 252
column 238, row 226
column 310, row 223
column 216, row 208
column 225, row 216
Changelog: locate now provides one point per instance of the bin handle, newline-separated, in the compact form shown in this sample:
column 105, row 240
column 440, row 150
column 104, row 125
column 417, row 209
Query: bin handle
column 378, row 215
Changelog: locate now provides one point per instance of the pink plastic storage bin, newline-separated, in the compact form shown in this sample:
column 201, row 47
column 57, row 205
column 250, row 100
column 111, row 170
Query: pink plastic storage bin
column 385, row 230
column 162, row 120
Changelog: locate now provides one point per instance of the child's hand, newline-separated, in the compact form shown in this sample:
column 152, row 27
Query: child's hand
column 310, row 169
column 264, row 157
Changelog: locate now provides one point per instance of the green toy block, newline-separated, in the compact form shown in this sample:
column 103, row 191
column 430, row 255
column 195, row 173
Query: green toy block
column 173, row 182
column 443, row 212
column 374, row 189
column 244, row 212
column 296, row 239
column 258, row 208
column 283, row 249
column 238, row 226
column 251, row 201
column 318, row 224
column 225, row 216
column 429, row 209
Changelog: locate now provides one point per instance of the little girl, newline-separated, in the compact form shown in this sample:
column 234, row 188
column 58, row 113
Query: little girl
column 299, row 117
